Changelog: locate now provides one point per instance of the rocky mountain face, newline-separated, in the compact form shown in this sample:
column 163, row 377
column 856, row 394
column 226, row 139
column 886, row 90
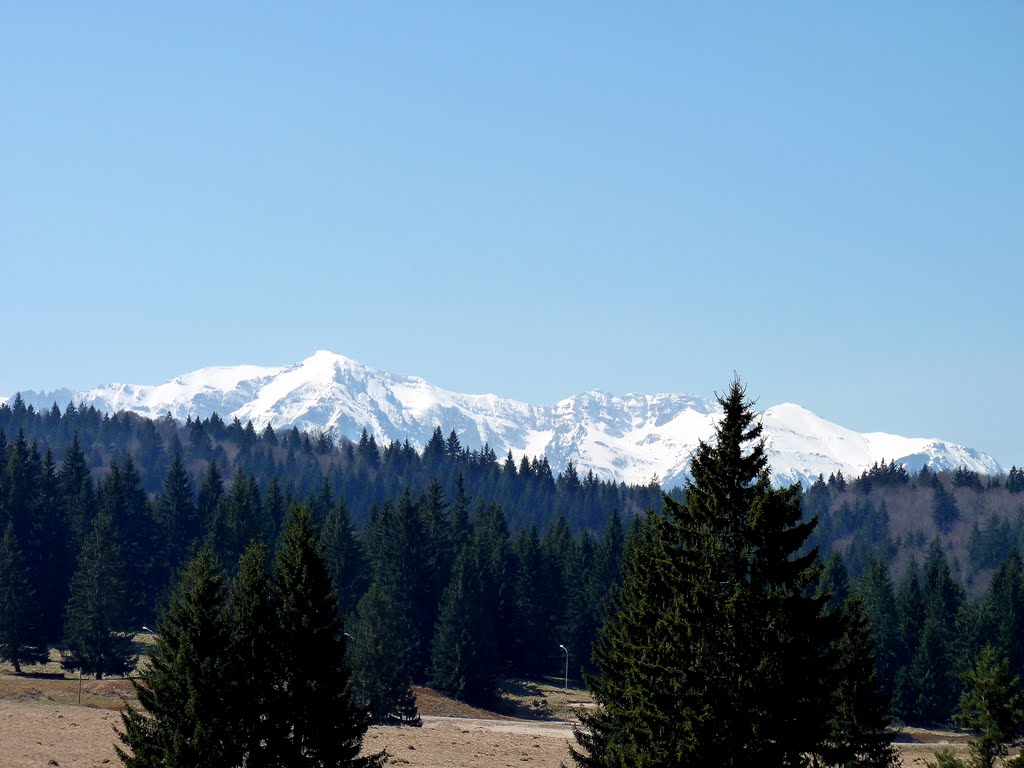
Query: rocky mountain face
column 632, row 438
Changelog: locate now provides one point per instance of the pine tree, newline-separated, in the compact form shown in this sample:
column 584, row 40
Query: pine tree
column 491, row 550
column 211, row 490
column 992, row 706
column 438, row 555
column 609, row 552
column 179, row 517
column 434, row 452
column 555, row 575
column 252, row 688
column 583, row 607
column 463, row 662
column 834, row 584
column 859, row 726
column 932, row 676
column 715, row 653
column 78, row 495
column 21, row 488
column 21, row 641
column 911, row 615
column 398, row 554
column 97, row 625
column 528, row 635
column 639, row 690
column 930, row 679
column 379, row 651
column 1002, row 612
column 460, row 529
column 133, row 526
column 187, row 690
column 879, row 601
column 274, row 508
column 317, row 722
column 345, row 558
column 239, row 519
column 945, row 511
column 52, row 550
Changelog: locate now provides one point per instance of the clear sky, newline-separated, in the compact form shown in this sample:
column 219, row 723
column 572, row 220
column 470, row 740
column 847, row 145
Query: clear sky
column 531, row 199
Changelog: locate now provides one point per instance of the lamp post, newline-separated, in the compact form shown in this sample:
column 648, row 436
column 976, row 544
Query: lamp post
column 566, row 666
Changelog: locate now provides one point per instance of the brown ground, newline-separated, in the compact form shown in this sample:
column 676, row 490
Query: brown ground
column 42, row 724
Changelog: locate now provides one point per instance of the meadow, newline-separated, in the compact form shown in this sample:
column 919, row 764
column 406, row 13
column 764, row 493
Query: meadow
column 48, row 719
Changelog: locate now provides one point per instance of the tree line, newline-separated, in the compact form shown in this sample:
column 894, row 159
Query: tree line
column 432, row 589
column 363, row 472
column 437, row 584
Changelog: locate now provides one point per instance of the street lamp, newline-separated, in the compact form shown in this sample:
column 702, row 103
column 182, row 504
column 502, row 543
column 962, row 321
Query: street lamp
column 566, row 666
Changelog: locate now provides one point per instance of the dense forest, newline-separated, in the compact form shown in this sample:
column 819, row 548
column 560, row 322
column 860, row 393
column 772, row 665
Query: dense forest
column 454, row 567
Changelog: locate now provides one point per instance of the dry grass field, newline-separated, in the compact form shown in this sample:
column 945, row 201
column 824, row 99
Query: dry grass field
column 43, row 724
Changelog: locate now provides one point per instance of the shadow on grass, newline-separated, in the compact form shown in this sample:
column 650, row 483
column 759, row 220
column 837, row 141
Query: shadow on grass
column 42, row 675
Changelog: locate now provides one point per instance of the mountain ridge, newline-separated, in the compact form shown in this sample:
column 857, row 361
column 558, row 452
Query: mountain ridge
column 633, row 438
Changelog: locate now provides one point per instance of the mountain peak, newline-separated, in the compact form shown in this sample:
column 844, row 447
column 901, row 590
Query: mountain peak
column 628, row 438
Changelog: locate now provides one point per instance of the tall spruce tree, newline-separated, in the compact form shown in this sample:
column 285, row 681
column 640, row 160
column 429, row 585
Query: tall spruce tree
column 398, row 556
column 134, row 528
column 527, row 635
column 345, row 558
column 178, row 515
column 878, row 599
column 379, row 651
column 860, row 722
column 77, row 492
column 463, row 651
column 185, row 714
column 992, row 706
column 1002, row 612
column 252, row 691
column 715, row 653
column 52, row 549
column 21, row 639
column 318, row 724
column 97, row 630
column 211, row 491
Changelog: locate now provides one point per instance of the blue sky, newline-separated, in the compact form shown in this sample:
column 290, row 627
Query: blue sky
column 532, row 200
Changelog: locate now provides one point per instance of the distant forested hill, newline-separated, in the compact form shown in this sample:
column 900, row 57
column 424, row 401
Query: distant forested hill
column 897, row 516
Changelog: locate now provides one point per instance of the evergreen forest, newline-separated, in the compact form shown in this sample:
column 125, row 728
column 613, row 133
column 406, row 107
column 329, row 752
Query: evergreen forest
column 454, row 567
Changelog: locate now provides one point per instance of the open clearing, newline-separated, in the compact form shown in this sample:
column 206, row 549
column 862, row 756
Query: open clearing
column 42, row 724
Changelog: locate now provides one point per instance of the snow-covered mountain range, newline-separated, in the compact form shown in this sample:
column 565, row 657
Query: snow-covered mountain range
column 633, row 438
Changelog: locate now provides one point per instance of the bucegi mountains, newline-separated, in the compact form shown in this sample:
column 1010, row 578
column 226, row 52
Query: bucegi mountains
column 632, row 438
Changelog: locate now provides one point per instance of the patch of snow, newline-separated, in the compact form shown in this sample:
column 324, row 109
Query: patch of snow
column 631, row 438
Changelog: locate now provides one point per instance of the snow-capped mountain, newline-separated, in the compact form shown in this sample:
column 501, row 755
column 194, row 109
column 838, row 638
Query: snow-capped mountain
column 632, row 438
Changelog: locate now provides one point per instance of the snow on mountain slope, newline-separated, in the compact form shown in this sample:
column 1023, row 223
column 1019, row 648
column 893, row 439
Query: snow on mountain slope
column 804, row 445
column 632, row 438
